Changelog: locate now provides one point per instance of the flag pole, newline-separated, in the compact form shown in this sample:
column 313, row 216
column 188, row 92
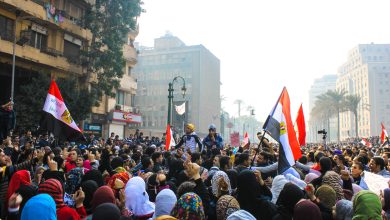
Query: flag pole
column 258, row 148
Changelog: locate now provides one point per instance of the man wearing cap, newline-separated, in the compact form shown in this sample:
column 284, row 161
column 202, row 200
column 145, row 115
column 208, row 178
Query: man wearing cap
column 190, row 139
column 213, row 142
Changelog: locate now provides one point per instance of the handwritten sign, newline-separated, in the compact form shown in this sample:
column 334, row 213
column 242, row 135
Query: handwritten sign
column 235, row 139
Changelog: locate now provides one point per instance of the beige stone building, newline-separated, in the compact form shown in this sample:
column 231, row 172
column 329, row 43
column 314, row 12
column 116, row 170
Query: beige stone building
column 367, row 74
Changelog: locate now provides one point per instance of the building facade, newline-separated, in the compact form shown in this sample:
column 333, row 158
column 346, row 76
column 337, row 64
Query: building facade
column 321, row 86
column 50, row 36
column 366, row 73
column 158, row 66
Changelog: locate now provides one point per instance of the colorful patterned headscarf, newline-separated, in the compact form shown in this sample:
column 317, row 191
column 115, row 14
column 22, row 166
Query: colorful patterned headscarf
column 73, row 181
column 226, row 205
column 118, row 181
column 189, row 207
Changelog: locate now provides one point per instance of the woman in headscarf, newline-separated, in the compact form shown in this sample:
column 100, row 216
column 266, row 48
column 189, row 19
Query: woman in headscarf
column 220, row 185
column 367, row 205
column 118, row 181
column 385, row 200
column 38, row 176
column 326, row 200
column 137, row 199
column 288, row 198
column 165, row 201
column 254, row 196
column 306, row 210
column 333, row 179
column 189, row 207
column 325, row 166
column 73, row 180
column 94, row 175
column 40, row 207
column 106, row 211
column 89, row 187
column 54, row 188
column 241, row 215
column 20, row 178
column 343, row 210
column 103, row 194
column 226, row 205
column 277, row 185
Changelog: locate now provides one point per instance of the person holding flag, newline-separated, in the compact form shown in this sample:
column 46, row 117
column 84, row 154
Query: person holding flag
column 384, row 136
column 190, row 140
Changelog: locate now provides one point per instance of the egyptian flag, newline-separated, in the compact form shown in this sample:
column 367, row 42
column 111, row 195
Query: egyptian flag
column 169, row 140
column 366, row 143
column 57, row 119
column 280, row 127
column 384, row 135
column 301, row 127
column 246, row 141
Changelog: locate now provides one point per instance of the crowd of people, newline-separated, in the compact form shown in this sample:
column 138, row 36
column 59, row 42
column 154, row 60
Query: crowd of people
column 199, row 178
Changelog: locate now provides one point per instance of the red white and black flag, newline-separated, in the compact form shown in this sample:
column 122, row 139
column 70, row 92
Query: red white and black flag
column 56, row 117
column 280, row 127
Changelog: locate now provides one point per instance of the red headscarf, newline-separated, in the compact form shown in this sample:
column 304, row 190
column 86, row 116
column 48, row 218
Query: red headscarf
column 21, row 177
column 103, row 194
column 54, row 188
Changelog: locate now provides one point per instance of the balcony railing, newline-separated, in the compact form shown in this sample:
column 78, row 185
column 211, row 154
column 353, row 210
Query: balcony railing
column 51, row 51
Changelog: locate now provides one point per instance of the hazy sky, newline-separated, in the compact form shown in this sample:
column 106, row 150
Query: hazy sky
column 264, row 45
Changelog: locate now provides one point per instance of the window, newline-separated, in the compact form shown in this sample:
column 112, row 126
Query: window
column 75, row 12
column 6, row 28
column 129, row 70
column 38, row 40
column 72, row 48
column 120, row 97
column 132, row 100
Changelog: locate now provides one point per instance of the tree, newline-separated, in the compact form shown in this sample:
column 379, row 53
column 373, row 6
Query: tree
column 109, row 21
column 351, row 104
column 30, row 100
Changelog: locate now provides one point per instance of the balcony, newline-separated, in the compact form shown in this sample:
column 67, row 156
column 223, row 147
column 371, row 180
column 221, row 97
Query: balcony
column 45, row 56
column 36, row 8
column 130, row 54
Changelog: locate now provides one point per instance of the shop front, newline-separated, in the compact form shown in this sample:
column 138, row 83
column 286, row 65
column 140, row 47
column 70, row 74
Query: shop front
column 121, row 122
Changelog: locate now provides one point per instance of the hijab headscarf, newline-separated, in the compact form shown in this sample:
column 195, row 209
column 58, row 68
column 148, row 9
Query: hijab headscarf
column 137, row 199
column 103, row 194
column 39, row 207
column 333, row 179
column 288, row 198
column 325, row 164
column 119, row 181
column 344, row 210
column 21, row 177
column 54, row 188
column 165, row 201
column 106, row 211
column 277, row 186
column 73, row 181
column 306, row 210
column 248, row 189
column 386, row 196
column 95, row 175
column 216, row 188
column 189, row 207
column 327, row 196
column 241, row 215
column 226, row 205
column 367, row 205
column 89, row 188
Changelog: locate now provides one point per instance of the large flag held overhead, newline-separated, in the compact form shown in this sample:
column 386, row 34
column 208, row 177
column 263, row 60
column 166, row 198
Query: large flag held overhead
column 280, row 127
column 301, row 127
column 169, row 140
column 384, row 135
column 57, row 119
column 366, row 143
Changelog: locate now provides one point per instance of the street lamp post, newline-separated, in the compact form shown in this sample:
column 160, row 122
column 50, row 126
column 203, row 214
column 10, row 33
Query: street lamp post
column 170, row 95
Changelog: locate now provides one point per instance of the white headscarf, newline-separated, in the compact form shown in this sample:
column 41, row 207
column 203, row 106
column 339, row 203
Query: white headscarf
column 137, row 199
column 165, row 201
column 277, row 186
column 215, row 185
column 241, row 215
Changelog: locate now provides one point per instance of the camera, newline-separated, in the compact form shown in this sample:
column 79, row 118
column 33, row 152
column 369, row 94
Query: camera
column 322, row 132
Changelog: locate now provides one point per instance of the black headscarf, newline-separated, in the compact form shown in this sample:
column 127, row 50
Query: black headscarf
column 89, row 188
column 288, row 198
column 106, row 211
column 248, row 189
column 94, row 175
column 27, row 192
